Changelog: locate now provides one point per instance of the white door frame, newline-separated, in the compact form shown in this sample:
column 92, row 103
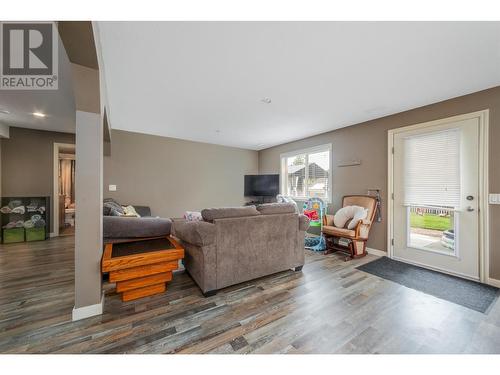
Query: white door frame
column 55, row 190
column 484, row 246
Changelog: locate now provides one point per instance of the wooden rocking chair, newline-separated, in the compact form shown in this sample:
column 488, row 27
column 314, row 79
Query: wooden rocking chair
column 351, row 241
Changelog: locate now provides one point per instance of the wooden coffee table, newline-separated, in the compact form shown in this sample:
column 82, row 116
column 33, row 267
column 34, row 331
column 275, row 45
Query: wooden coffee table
column 141, row 268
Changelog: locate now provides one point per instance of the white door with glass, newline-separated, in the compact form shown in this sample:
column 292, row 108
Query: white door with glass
column 435, row 221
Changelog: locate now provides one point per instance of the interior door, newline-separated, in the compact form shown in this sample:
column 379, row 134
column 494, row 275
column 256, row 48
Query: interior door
column 436, row 187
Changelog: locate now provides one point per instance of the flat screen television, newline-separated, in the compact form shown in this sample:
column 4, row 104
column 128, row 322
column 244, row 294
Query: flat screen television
column 262, row 185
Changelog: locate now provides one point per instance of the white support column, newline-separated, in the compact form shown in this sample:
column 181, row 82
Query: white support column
column 88, row 231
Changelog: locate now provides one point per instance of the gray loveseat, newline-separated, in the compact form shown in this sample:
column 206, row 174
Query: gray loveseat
column 234, row 245
column 120, row 228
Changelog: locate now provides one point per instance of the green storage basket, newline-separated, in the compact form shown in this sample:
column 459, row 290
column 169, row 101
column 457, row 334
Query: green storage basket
column 13, row 235
column 35, row 234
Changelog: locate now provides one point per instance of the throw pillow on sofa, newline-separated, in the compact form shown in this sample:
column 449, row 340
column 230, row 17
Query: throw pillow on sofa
column 193, row 216
column 111, row 208
column 349, row 215
column 130, row 211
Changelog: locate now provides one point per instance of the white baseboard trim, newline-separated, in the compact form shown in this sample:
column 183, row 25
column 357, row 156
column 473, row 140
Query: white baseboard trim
column 494, row 282
column 52, row 234
column 88, row 311
column 376, row 252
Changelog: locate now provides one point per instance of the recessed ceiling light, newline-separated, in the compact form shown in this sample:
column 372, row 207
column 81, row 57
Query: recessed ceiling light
column 266, row 100
column 39, row 114
column 4, row 111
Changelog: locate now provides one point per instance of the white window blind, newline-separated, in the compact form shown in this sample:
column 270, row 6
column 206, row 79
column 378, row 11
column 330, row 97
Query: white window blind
column 432, row 169
column 307, row 173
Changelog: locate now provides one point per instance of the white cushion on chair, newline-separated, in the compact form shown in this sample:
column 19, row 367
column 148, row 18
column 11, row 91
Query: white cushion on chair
column 347, row 213
column 360, row 214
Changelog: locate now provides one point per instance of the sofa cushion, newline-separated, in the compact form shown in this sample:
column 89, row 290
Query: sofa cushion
column 199, row 233
column 210, row 214
column 135, row 227
column 276, row 208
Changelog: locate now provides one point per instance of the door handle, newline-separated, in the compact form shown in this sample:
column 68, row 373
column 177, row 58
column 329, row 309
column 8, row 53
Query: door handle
column 470, row 208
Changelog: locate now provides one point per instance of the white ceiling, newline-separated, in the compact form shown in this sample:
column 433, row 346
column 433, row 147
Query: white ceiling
column 204, row 81
column 58, row 105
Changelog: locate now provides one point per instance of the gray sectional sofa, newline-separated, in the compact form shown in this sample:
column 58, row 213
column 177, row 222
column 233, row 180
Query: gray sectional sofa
column 234, row 245
column 120, row 228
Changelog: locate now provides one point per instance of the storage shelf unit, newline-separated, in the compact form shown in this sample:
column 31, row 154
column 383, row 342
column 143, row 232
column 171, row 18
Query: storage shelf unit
column 25, row 219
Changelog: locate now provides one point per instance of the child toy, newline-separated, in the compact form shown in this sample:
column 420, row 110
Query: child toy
column 314, row 209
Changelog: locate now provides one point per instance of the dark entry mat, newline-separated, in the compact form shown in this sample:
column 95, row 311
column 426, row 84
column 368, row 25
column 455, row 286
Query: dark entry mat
column 471, row 294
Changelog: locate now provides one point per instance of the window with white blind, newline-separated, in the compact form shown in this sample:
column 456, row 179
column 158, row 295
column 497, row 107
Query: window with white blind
column 432, row 169
column 307, row 173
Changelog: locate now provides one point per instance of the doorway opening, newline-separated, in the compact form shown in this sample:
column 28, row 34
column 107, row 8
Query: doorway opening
column 64, row 189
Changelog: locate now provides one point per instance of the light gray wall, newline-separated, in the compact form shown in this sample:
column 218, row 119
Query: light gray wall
column 88, row 192
column 86, row 88
column 27, row 162
column 172, row 175
column 368, row 142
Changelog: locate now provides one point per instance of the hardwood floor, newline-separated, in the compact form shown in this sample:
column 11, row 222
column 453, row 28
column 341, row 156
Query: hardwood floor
column 329, row 307
column 67, row 231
